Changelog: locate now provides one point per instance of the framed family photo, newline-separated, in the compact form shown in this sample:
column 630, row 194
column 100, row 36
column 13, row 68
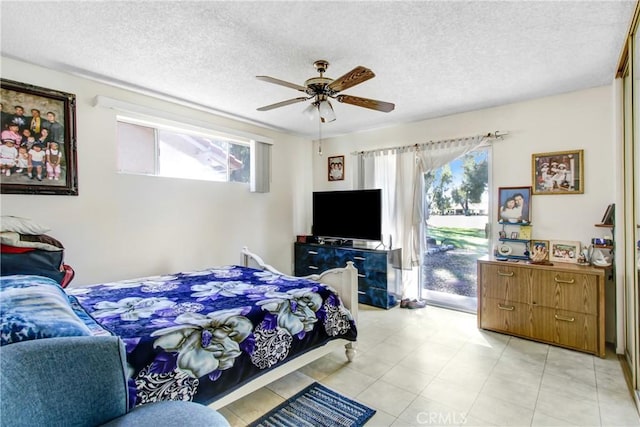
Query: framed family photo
column 38, row 151
column 514, row 205
column 336, row 168
column 564, row 251
column 561, row 172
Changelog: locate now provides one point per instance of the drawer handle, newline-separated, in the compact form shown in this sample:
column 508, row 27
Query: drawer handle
column 509, row 274
column 564, row 281
column 506, row 307
column 359, row 258
column 361, row 275
column 313, row 252
column 565, row 319
column 313, row 267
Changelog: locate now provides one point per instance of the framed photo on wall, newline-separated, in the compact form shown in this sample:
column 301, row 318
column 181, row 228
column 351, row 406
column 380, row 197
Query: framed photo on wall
column 564, row 251
column 561, row 172
column 514, row 205
column 336, row 168
column 38, row 140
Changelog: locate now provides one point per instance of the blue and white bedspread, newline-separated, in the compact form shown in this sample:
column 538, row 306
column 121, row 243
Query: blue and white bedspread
column 199, row 335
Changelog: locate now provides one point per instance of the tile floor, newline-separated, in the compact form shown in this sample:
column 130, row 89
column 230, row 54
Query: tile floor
column 434, row 367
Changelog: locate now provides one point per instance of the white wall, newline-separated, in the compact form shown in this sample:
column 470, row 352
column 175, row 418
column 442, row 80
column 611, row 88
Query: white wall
column 578, row 120
column 125, row 226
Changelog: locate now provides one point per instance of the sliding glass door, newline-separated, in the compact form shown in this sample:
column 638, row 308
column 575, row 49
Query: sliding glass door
column 456, row 211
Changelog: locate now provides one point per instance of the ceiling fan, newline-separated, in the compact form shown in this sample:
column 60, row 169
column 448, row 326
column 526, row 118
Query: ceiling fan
column 321, row 89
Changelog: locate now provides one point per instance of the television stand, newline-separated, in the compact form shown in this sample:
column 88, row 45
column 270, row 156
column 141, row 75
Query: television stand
column 379, row 271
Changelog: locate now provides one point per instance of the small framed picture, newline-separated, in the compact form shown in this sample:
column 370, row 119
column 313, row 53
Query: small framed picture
column 607, row 219
column 514, row 204
column 564, row 251
column 502, row 234
column 537, row 244
column 336, row 168
column 561, row 172
column 514, row 234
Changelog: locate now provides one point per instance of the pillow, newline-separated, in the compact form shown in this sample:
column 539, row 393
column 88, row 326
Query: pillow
column 34, row 307
column 35, row 241
column 21, row 225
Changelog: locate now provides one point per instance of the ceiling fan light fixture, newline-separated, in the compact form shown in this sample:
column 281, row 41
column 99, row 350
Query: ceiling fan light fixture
column 311, row 111
column 326, row 111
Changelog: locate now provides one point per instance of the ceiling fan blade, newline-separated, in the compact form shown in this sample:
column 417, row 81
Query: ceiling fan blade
column 282, row 104
column 366, row 103
column 356, row 76
column 281, row 83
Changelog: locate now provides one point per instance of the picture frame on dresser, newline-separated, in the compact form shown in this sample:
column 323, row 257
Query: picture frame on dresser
column 541, row 244
column 564, row 251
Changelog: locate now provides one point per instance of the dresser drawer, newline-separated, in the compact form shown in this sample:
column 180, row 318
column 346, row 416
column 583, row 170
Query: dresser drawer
column 313, row 259
column 506, row 316
column 373, row 296
column 364, row 261
column 566, row 328
column 505, row 282
column 564, row 290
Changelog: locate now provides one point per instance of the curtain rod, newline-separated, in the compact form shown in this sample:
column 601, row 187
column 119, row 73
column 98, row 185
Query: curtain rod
column 490, row 135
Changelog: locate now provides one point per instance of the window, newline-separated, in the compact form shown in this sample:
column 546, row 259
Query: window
column 150, row 149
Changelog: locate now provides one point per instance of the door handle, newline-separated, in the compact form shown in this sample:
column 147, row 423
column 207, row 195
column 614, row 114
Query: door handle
column 506, row 307
column 313, row 267
column 313, row 252
column 359, row 258
column 509, row 274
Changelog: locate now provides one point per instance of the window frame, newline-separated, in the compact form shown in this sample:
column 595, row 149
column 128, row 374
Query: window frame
column 160, row 124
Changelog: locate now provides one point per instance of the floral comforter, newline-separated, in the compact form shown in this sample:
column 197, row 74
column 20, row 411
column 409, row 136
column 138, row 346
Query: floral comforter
column 199, row 335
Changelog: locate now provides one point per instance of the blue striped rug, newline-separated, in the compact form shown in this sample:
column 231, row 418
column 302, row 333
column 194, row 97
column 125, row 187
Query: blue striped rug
column 316, row 406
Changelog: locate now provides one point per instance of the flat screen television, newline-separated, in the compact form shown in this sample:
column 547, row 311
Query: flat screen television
column 351, row 214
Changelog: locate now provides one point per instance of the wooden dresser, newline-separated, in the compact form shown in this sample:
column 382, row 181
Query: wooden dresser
column 560, row 304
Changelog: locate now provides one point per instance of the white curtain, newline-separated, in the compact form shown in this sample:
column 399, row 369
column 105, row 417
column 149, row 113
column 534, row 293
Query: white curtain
column 399, row 173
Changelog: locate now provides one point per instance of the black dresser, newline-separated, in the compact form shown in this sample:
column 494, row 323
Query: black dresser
column 379, row 271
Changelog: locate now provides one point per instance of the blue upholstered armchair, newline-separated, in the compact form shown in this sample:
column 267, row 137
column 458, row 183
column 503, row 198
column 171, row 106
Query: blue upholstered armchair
column 81, row 381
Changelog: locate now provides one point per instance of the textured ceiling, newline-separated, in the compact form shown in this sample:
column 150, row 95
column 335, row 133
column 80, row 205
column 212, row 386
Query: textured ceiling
column 431, row 58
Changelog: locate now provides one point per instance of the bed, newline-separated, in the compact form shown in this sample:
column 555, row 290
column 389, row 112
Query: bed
column 215, row 335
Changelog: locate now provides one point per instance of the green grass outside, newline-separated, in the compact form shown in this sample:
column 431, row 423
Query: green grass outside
column 472, row 239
